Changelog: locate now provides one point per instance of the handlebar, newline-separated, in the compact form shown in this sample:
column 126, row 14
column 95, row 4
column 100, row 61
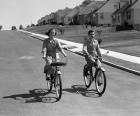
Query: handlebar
column 59, row 63
column 95, row 58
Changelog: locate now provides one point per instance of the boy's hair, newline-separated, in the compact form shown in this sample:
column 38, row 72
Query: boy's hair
column 90, row 31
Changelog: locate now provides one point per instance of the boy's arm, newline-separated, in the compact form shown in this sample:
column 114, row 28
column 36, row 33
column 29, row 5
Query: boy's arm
column 99, row 51
column 85, row 47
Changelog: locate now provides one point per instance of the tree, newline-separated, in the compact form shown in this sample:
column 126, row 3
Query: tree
column 32, row 25
column 0, row 27
column 21, row 27
column 13, row 28
column 86, row 2
column 28, row 26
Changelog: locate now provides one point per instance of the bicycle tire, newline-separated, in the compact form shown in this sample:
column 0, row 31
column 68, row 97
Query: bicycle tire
column 87, row 78
column 97, row 83
column 49, row 85
column 58, row 87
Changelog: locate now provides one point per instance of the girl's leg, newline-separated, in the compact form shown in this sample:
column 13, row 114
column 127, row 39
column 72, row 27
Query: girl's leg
column 47, row 67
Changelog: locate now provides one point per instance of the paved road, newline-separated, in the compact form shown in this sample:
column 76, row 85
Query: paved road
column 21, row 75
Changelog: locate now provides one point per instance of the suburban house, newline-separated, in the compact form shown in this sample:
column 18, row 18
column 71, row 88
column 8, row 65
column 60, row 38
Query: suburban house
column 40, row 21
column 92, row 17
column 104, row 14
column 136, row 15
column 50, row 20
column 70, row 18
column 43, row 20
column 124, row 15
column 60, row 15
column 85, row 14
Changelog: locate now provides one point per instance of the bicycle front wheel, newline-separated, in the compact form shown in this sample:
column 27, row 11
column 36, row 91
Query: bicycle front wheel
column 58, row 87
column 49, row 84
column 100, row 81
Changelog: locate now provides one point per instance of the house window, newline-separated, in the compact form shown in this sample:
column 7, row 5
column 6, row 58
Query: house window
column 102, row 15
column 69, row 19
column 128, row 15
column 118, row 18
column 114, row 18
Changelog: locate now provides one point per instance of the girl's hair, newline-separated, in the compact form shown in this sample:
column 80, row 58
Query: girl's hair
column 49, row 31
column 90, row 31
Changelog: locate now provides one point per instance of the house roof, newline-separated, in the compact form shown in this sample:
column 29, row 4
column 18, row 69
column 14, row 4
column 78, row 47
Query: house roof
column 136, row 5
column 122, row 8
column 64, row 12
column 108, row 7
column 73, row 12
column 91, row 7
column 127, row 5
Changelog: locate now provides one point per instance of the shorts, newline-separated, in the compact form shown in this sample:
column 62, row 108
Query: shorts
column 91, row 61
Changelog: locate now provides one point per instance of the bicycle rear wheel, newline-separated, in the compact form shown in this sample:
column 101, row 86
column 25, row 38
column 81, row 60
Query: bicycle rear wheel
column 100, row 81
column 58, row 87
column 87, row 74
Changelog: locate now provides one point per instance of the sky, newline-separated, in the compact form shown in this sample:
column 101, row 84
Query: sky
column 25, row 12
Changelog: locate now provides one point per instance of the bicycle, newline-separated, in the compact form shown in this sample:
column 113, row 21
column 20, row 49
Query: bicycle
column 98, row 75
column 56, row 79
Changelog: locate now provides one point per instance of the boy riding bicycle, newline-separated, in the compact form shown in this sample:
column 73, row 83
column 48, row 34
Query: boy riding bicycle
column 50, row 50
column 92, row 51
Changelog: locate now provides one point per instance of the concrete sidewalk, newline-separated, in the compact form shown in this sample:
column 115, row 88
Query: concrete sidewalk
column 77, row 48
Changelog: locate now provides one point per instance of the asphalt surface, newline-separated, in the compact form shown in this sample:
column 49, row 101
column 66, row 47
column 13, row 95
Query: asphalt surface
column 21, row 78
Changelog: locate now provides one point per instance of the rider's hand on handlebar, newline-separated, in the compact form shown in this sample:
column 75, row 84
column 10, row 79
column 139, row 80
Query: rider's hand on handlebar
column 100, row 58
column 65, row 55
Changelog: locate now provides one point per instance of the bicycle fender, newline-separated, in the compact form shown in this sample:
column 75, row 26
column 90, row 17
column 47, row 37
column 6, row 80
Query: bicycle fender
column 103, row 69
column 59, row 72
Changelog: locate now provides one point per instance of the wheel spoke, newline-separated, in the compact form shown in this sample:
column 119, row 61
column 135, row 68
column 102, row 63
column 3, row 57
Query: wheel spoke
column 100, row 82
column 87, row 77
column 58, row 87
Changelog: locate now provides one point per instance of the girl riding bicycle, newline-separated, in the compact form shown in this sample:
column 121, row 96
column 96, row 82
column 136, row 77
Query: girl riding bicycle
column 50, row 49
column 92, row 51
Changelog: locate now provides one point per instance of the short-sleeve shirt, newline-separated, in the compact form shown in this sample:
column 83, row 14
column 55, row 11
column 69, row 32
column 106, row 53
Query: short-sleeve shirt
column 52, row 47
column 92, row 46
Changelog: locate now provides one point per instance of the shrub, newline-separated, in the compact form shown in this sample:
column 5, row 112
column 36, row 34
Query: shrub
column 20, row 27
column 0, row 27
column 13, row 28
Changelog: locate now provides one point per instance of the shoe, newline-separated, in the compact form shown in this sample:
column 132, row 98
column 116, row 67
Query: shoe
column 48, row 77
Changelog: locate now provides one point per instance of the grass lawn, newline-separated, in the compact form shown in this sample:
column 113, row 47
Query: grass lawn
column 124, row 42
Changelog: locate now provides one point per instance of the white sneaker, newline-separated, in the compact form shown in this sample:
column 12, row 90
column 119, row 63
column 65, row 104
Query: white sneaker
column 48, row 77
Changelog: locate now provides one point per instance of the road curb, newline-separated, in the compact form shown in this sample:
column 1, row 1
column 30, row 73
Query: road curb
column 117, row 66
column 105, row 62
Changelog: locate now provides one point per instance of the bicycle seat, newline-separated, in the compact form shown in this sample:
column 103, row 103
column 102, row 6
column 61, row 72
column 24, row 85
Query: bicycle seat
column 58, row 64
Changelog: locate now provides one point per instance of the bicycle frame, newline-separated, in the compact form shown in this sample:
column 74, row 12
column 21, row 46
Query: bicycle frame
column 56, row 70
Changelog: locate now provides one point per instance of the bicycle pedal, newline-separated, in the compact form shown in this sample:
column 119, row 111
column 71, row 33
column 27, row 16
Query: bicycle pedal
column 100, row 83
column 48, row 78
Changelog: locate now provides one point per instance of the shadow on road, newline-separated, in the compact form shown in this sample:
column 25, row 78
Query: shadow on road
column 34, row 96
column 81, row 89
